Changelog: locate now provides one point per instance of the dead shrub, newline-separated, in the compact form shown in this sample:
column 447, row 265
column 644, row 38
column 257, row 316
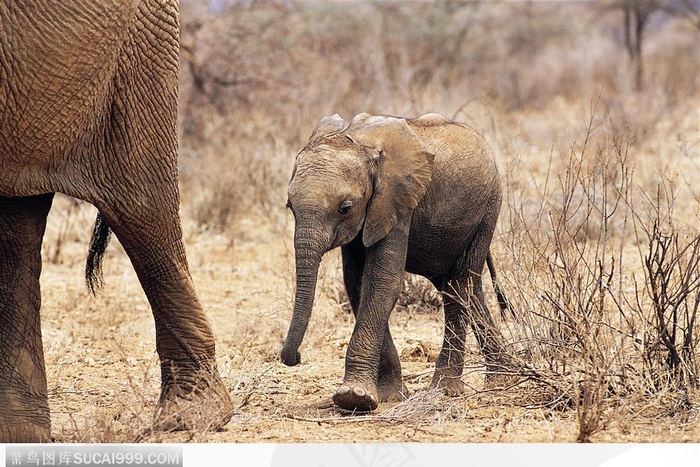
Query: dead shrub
column 586, row 325
column 671, row 293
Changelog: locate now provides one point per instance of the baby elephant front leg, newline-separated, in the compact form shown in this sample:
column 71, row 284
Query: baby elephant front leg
column 381, row 283
column 359, row 390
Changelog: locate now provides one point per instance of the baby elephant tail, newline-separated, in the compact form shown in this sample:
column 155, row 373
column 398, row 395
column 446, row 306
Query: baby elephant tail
column 101, row 234
column 503, row 302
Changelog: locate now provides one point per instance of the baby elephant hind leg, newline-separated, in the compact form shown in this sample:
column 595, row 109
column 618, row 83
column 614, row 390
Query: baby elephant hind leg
column 490, row 340
column 450, row 362
column 465, row 306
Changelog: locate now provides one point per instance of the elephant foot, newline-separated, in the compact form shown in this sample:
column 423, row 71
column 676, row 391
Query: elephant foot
column 203, row 406
column 392, row 392
column 496, row 380
column 24, row 417
column 501, row 371
column 355, row 397
column 24, row 432
column 451, row 385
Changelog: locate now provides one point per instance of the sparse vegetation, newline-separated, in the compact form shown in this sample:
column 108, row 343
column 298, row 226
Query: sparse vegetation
column 597, row 248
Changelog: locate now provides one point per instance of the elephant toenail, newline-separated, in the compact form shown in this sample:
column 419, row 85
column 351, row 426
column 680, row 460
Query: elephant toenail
column 342, row 390
column 359, row 392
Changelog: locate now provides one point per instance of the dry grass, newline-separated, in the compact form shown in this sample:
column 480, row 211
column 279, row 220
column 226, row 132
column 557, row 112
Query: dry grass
column 597, row 247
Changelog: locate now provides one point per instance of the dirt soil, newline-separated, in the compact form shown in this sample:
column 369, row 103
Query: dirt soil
column 103, row 371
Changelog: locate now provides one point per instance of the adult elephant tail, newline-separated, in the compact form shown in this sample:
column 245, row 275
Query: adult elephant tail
column 503, row 302
column 101, row 234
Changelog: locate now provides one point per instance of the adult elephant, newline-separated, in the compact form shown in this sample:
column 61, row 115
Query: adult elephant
column 88, row 94
column 420, row 195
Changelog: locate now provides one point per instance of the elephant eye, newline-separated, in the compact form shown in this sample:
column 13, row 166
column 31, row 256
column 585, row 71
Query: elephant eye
column 345, row 207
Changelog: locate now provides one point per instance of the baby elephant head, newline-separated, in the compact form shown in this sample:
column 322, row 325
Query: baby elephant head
column 348, row 180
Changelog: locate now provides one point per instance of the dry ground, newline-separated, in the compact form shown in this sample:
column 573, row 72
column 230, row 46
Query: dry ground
column 104, row 379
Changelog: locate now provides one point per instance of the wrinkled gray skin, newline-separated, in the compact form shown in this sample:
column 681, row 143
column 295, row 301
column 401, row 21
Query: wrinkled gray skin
column 88, row 94
column 420, row 195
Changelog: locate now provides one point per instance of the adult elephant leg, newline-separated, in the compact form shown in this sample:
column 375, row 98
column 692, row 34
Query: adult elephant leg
column 450, row 362
column 137, row 194
column 192, row 394
column 24, row 409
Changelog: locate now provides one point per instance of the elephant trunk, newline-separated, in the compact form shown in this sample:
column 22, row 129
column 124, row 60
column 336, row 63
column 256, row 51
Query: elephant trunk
column 308, row 258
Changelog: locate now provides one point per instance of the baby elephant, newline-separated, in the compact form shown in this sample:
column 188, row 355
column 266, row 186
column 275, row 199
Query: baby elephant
column 419, row 195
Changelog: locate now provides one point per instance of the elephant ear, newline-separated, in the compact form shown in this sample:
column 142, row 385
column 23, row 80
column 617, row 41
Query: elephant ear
column 327, row 126
column 404, row 170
